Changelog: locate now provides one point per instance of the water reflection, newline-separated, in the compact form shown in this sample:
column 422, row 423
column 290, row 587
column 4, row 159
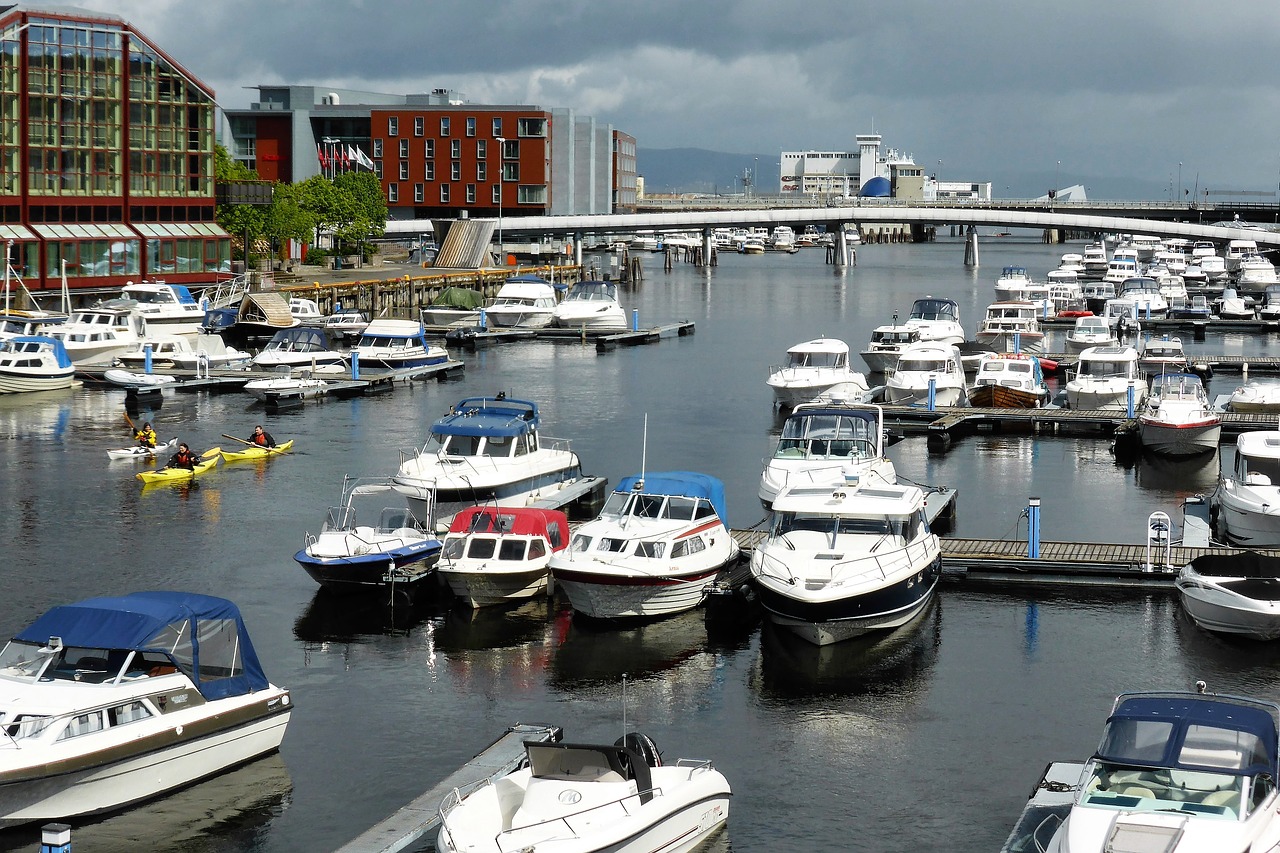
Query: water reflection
column 346, row 618
column 594, row 654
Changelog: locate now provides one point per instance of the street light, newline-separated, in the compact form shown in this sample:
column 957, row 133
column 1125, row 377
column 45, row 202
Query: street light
column 1179, row 181
column 755, row 173
column 501, row 252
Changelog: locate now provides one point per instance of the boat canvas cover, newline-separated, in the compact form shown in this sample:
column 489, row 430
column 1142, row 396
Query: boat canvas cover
column 934, row 309
column 488, row 416
column 183, row 294
column 518, row 521
column 300, row 339
column 1244, row 564
column 458, row 297
column 530, row 278
column 268, row 306
column 59, row 351
column 1192, row 732
column 688, row 484
column 202, row 634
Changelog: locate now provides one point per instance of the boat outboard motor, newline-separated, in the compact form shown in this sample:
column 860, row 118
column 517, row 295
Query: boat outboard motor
column 643, row 746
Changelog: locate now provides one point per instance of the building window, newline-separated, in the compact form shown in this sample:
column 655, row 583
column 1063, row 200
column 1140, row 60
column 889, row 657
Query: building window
column 471, row 193
column 430, row 171
column 393, row 126
column 377, row 148
column 497, row 127
column 497, row 193
column 532, row 194
column 455, row 171
column 482, row 174
column 536, row 127
column 510, row 171
column 404, row 148
column 455, row 148
column 377, row 168
column 404, row 170
column 393, row 193
column 418, row 123
column 444, row 125
column 471, row 126
column 482, row 149
column 418, row 193
column 431, row 148
column 444, row 193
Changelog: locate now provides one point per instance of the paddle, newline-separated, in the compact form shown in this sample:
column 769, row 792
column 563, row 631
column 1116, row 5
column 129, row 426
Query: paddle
column 251, row 444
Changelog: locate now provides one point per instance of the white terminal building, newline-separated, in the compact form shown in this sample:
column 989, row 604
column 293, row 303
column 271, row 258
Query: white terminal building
column 870, row 174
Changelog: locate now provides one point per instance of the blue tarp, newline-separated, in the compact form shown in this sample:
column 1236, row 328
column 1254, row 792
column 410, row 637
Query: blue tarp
column 689, row 484
column 489, row 416
column 183, row 294
column 59, row 351
column 159, row 622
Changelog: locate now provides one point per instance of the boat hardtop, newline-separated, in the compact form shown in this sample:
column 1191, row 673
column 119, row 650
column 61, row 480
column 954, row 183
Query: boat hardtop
column 486, row 417
column 931, row 309
column 848, row 497
column 37, row 343
column 820, row 438
column 389, row 332
column 819, row 352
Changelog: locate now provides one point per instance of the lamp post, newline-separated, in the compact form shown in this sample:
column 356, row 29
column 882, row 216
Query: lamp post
column 1179, row 181
column 755, row 172
column 502, row 143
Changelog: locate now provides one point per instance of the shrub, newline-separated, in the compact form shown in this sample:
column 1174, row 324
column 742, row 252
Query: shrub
column 316, row 257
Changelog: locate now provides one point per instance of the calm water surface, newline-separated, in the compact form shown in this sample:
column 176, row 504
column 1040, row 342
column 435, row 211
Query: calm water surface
column 927, row 738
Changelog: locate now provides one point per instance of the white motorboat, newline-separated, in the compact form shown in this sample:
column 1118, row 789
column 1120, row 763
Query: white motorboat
column 1090, row 332
column 1072, row 262
column 1177, row 419
column 1015, row 285
column 752, row 246
column 887, row 344
column 646, row 241
column 486, row 450
column 1247, row 500
column 1012, row 327
column 1233, row 306
column 821, row 440
column 782, row 238
column 1107, row 378
column 1065, row 294
column 1145, row 245
column 159, row 350
column 588, row 798
column 301, row 347
column 1163, row 355
column 591, row 305
column 286, row 384
column 1260, row 397
column 1096, row 294
column 1194, row 275
column 813, row 368
column 1119, row 268
column 1269, row 310
column 846, row 557
column 169, row 309
column 352, row 554
column 927, row 370
column 97, row 336
column 1191, row 772
column 454, row 305
column 1236, row 594
column 1122, row 316
column 306, row 311
column 525, row 301
column 937, row 320
column 1009, row 380
column 655, row 547
column 1237, row 251
column 186, row 352
column 1094, row 260
column 346, row 324
column 111, row 701
column 1214, row 269
column 137, row 380
column 395, row 345
column 34, row 363
column 26, row 323
column 494, row 555
column 1145, row 294
column 1255, row 274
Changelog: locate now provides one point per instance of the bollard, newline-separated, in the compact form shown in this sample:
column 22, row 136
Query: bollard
column 146, row 358
column 635, row 319
column 483, row 320
column 1129, row 402
column 1017, row 342
column 55, row 838
column 355, row 365
column 1033, row 528
column 933, row 392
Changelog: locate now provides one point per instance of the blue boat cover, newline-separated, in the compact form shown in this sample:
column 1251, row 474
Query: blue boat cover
column 59, row 351
column 489, row 416
column 687, row 484
column 170, row 623
column 183, row 294
column 537, row 278
column 1252, row 724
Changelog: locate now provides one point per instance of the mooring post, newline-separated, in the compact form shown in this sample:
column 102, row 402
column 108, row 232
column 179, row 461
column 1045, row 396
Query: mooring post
column 355, row 365
column 1033, row 528
column 483, row 319
column 971, row 247
column 55, row 838
column 146, row 358
column 635, row 319
column 1129, row 401
column 1017, row 342
column 933, row 392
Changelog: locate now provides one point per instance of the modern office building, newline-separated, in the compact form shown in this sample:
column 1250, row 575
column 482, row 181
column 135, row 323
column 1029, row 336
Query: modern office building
column 438, row 155
column 106, row 156
column 847, row 174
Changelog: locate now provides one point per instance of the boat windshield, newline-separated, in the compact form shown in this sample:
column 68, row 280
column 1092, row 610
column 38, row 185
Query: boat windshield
column 1102, row 369
column 922, row 365
column 1268, row 466
column 843, row 525
column 639, row 505
column 810, row 358
column 933, row 309
column 1205, row 794
column 25, row 661
column 827, row 436
column 896, row 336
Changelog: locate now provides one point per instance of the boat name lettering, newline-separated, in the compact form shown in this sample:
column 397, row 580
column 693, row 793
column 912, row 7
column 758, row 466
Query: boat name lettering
column 570, row 797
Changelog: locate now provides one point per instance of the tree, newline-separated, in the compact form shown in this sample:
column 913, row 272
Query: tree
column 370, row 207
column 241, row 220
column 287, row 218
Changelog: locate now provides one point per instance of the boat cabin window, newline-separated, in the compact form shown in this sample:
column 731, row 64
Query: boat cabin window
column 924, row 366
column 482, row 548
column 1101, row 369
column 130, row 712
column 459, row 445
column 652, row 550
column 616, row 546
column 580, row 543
column 452, row 548
column 1266, row 466
column 680, row 508
column 498, row 446
column 933, row 309
column 25, row 725
column 219, row 641
column 687, row 547
column 826, row 437
column 817, row 359
column 82, row 724
column 537, row 549
column 512, row 549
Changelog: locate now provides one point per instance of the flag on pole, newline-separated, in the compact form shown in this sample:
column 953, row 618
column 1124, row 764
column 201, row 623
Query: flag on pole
column 363, row 159
column 346, row 160
column 350, row 156
column 320, row 157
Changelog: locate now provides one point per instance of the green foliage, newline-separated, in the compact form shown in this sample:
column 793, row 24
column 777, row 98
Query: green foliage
column 287, row 218
column 316, row 257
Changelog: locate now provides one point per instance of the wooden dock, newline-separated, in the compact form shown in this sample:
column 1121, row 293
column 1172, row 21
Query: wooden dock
column 472, row 338
column 419, row 817
column 1199, row 361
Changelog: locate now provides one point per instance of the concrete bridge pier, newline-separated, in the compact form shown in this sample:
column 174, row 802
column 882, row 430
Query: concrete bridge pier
column 708, row 246
column 842, row 247
column 971, row 247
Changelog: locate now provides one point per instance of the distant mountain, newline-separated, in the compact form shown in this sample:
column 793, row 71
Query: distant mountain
column 695, row 170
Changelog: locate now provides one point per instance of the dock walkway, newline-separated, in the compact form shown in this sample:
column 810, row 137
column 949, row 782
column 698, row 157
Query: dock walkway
column 605, row 340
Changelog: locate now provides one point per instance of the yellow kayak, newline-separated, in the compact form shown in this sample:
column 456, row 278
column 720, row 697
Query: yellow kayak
column 209, row 459
column 258, row 452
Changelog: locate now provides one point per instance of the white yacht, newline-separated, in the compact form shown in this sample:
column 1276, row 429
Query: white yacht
column 1015, row 285
column 813, row 368
column 1269, row 310
column 1247, row 500
column 34, row 363
column 1145, row 246
column 782, row 238
column 1096, row 294
column 115, row 700
column 487, row 449
column 97, row 336
column 1012, row 327
column 1094, row 260
column 1214, row 269
column 524, row 301
column 886, row 345
column 306, row 311
column 820, row 440
column 1146, row 296
column 396, row 345
column 301, row 347
column 1105, row 378
column 656, row 546
column 1255, row 274
column 1162, row 355
column 1237, row 251
column 927, row 369
column 846, row 557
column 1090, row 332
column 1072, row 262
column 169, row 309
column 1119, row 268
column 591, row 305
column 1177, row 419
column 937, row 320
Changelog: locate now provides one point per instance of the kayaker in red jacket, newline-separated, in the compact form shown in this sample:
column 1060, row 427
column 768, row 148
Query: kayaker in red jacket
column 184, row 458
column 261, row 437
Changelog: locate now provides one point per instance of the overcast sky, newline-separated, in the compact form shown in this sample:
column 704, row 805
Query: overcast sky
column 994, row 90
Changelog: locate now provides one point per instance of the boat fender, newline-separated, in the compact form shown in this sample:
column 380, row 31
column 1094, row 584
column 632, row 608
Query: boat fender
column 642, row 745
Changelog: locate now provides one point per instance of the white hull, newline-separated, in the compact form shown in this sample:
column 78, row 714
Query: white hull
column 829, row 633
column 1173, row 440
column 528, row 318
column 1105, row 397
column 1225, row 612
column 488, row 588
column 610, row 601
column 881, row 361
column 274, row 388
column 907, row 396
column 1247, row 522
column 13, row 382
column 449, row 316
column 140, row 777
column 1032, row 342
column 792, row 387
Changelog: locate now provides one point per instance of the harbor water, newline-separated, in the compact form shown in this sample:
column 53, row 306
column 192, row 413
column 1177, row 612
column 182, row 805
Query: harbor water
column 926, row 738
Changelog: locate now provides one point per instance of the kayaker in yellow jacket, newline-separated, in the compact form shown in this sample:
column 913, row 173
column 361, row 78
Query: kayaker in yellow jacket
column 146, row 437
